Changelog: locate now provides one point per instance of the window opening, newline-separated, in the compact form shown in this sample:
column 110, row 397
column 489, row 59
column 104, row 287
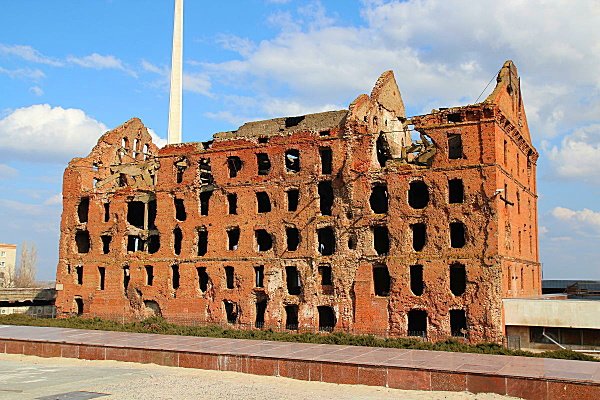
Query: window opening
column 379, row 198
column 326, row 275
column 202, row 241
column 326, row 239
column 419, row 234
column 106, row 239
column 259, row 276
column 416, row 280
column 263, row 140
column 292, row 277
column 417, row 323
column 454, row 117
column 418, row 194
column 231, row 310
column 325, row 132
column 292, row 238
column 79, row 273
column 293, row 198
column 204, row 202
column 106, row 212
column 175, row 276
column 263, row 163
column 153, row 244
column 263, row 202
column 149, row 275
column 232, row 203
column 234, row 163
column 381, row 240
column 293, row 121
column 383, row 150
column 458, row 279
column 180, row 214
column 82, row 240
column 177, row 239
column 79, row 305
column 180, row 167
column 206, row 177
column 83, row 209
column 455, row 147
column 233, row 238
column 458, row 323
column 126, row 278
column 202, row 278
column 457, row 234
column 325, row 190
column 381, row 280
column 291, row 317
column 264, row 240
column 326, row 318
column 326, row 160
column 151, row 214
column 292, row 160
column 261, row 308
column 456, row 191
column 229, row 277
column 135, row 213
column 352, row 241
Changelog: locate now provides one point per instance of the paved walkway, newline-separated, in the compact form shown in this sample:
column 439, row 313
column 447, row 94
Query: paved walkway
column 531, row 378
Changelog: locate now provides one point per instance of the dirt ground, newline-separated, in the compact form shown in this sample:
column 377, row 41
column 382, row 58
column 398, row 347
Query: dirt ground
column 28, row 377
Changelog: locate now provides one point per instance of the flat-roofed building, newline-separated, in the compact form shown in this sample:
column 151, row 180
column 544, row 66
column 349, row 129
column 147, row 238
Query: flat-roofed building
column 8, row 258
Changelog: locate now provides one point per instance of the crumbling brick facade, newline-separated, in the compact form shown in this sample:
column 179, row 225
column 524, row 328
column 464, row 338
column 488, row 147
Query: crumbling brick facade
column 339, row 220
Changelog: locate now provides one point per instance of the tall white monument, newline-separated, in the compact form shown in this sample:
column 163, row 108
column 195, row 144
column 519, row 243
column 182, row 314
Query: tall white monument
column 176, row 76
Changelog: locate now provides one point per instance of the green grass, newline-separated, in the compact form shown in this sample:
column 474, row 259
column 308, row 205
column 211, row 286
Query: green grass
column 161, row 326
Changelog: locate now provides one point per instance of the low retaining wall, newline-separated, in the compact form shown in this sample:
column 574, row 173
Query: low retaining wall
column 529, row 378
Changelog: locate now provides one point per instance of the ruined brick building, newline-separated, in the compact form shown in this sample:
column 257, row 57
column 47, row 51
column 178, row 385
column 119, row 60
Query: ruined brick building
column 361, row 220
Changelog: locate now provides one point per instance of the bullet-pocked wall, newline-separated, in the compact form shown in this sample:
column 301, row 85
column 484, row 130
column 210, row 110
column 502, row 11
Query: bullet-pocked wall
column 361, row 220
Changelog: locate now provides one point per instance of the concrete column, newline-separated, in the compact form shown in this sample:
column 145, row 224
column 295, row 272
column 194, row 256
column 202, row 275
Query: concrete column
column 176, row 76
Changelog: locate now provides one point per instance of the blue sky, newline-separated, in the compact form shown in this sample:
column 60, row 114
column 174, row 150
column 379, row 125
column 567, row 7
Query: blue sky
column 71, row 69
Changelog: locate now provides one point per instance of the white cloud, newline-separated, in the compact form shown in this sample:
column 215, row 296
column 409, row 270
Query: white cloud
column 23, row 73
column 192, row 81
column 98, row 61
column 585, row 217
column 54, row 200
column 157, row 140
column 196, row 83
column 28, row 53
column 443, row 54
column 36, row 90
column 7, row 172
column 48, row 134
column 578, row 154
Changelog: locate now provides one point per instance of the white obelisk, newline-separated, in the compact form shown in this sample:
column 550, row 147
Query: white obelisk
column 175, row 97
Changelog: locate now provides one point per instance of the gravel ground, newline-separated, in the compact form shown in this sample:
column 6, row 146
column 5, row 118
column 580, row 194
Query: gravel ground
column 28, row 377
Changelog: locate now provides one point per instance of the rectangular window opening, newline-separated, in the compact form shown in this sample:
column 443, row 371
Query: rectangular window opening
column 458, row 323
column 106, row 212
column 326, row 160
column 455, row 146
column 126, row 279
column 379, row 198
column 326, row 275
column 263, row 163
column 456, row 191
column 231, row 311
column 259, row 276
column 417, row 323
column 205, row 201
column 326, row 197
column 229, row 277
column 83, row 209
column 177, row 240
column 291, row 317
column 381, row 240
column 416, row 279
column 234, row 163
column 149, row 275
column 264, row 240
column 457, row 235
column 261, row 308
column 79, row 274
column 202, row 241
column 381, row 280
column 175, row 276
column 153, row 244
column 151, row 214
column 326, row 241
column 180, row 214
column 136, row 211
column 292, row 276
column 232, row 203
column 82, row 240
column 292, row 161
column 293, row 198
column 106, row 239
column 233, row 238
column 202, row 279
column 292, row 238
column 263, row 202
column 419, row 234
